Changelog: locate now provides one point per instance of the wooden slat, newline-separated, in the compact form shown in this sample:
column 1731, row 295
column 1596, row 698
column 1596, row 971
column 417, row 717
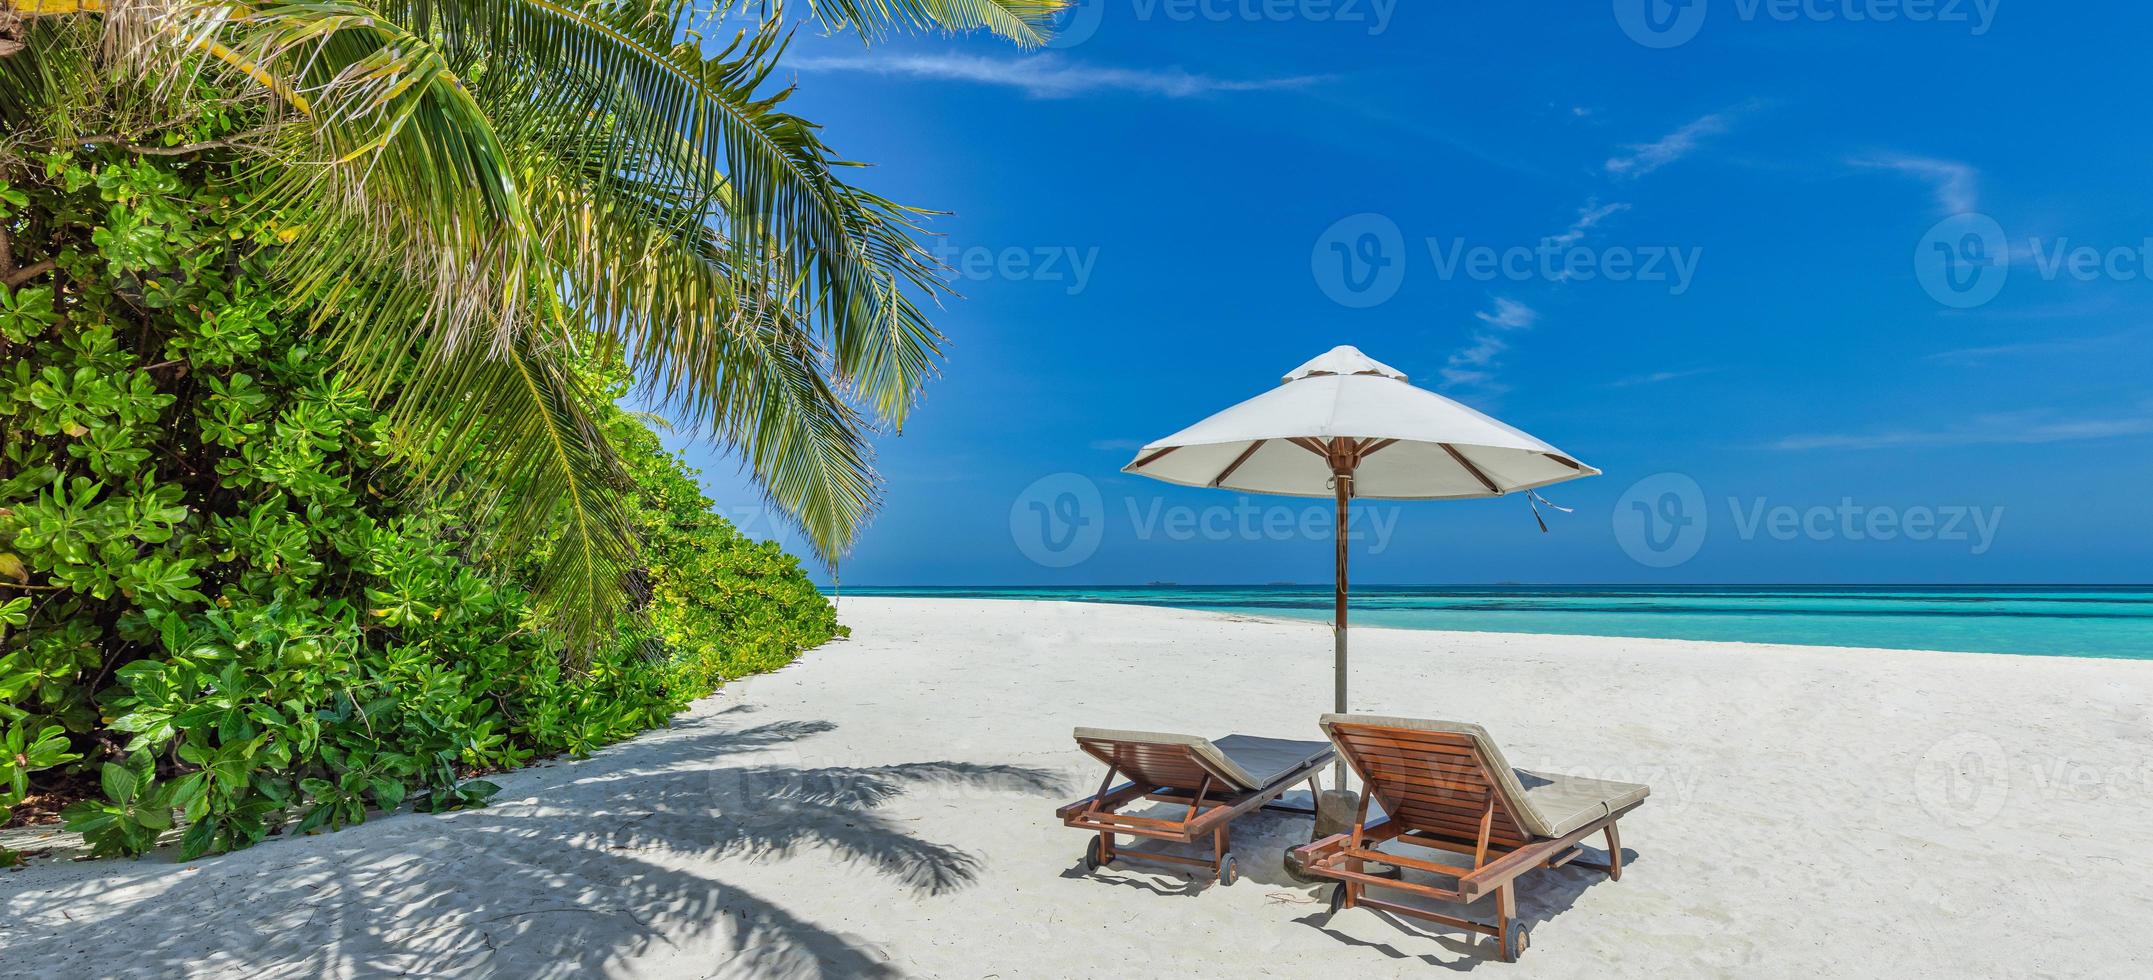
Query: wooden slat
column 1470, row 468
column 1405, row 737
column 1237, row 461
column 1153, row 458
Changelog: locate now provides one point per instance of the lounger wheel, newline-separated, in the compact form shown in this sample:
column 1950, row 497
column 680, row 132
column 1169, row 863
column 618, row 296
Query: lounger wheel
column 1229, row 872
column 1338, row 897
column 1519, row 939
column 1093, row 858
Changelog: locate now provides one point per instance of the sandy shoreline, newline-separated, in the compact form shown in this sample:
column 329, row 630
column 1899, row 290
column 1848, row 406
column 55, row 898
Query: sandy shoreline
column 883, row 807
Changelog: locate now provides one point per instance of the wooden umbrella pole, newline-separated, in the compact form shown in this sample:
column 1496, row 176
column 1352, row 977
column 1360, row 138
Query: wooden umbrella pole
column 1342, row 483
column 1338, row 630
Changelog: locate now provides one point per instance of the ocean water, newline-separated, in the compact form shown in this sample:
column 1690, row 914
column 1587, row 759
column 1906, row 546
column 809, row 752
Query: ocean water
column 2058, row 621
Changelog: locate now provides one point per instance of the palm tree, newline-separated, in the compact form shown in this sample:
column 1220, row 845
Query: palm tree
column 492, row 182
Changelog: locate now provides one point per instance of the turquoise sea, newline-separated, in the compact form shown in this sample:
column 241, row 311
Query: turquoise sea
column 2059, row 621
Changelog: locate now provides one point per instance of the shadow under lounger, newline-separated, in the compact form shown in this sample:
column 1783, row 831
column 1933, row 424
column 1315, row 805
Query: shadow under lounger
column 1215, row 781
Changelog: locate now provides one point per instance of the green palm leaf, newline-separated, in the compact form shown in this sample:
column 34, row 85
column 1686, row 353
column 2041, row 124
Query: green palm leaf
column 480, row 181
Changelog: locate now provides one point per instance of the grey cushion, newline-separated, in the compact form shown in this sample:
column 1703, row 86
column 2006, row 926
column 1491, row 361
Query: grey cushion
column 1268, row 760
column 1543, row 804
column 1250, row 762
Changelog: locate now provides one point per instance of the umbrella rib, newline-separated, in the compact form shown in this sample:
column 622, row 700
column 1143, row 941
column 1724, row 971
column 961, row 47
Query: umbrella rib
column 1154, row 457
column 1311, row 445
column 1566, row 461
column 1378, row 447
column 1237, row 461
column 1470, row 468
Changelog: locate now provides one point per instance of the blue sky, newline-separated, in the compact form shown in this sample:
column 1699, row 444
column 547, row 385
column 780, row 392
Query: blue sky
column 1834, row 299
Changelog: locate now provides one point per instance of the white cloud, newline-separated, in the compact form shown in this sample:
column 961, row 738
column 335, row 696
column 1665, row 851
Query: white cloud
column 1047, row 76
column 2066, row 345
column 1509, row 314
column 2021, row 428
column 1954, row 183
column 1644, row 158
column 1474, row 365
column 1587, row 217
column 1658, row 377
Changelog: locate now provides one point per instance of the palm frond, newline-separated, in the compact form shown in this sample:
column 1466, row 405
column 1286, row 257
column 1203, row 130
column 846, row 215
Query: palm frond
column 450, row 168
column 1029, row 23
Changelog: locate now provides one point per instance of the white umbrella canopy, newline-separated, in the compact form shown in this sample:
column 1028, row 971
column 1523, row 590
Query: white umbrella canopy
column 1412, row 444
column 1346, row 425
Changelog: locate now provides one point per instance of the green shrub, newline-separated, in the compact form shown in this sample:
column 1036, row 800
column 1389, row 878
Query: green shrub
column 223, row 601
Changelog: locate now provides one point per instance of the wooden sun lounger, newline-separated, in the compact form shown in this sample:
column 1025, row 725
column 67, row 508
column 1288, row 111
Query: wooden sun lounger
column 1446, row 786
column 1217, row 781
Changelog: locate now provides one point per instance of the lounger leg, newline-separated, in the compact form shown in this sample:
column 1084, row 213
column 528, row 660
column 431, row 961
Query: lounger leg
column 1505, row 909
column 1614, row 852
column 1218, row 850
column 1106, row 847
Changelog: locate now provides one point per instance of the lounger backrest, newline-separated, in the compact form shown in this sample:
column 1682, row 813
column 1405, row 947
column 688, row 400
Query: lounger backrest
column 1436, row 777
column 1164, row 759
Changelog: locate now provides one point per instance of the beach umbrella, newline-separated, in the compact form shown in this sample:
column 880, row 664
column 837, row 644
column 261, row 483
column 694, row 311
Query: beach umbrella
column 1346, row 426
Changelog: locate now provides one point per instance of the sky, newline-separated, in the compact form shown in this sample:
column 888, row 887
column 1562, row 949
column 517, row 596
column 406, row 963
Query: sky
column 1830, row 296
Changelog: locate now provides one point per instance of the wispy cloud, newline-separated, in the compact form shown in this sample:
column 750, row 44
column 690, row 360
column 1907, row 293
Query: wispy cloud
column 1048, row 76
column 1644, row 158
column 1588, row 217
column 1509, row 314
column 1955, row 184
column 1659, row 377
column 2065, row 345
column 2019, row 428
column 1474, row 364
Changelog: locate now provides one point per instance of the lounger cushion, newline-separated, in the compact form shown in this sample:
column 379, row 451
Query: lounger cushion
column 1543, row 804
column 1250, row 762
column 1565, row 803
column 1268, row 760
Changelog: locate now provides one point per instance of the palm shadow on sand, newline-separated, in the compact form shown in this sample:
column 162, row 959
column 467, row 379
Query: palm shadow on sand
column 599, row 868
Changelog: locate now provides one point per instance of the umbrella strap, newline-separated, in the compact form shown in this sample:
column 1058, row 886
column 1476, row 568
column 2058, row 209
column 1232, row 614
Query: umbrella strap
column 1534, row 500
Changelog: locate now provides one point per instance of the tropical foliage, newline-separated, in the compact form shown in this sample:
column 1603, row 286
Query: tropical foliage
column 485, row 181
column 231, row 613
column 315, row 316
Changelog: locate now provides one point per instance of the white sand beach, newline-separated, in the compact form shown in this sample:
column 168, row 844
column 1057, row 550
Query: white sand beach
column 884, row 808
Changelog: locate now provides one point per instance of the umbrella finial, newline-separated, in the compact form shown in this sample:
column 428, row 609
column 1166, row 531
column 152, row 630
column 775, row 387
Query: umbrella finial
column 1344, row 360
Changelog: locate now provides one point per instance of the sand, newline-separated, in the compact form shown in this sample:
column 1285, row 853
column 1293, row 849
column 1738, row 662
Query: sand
column 884, row 808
